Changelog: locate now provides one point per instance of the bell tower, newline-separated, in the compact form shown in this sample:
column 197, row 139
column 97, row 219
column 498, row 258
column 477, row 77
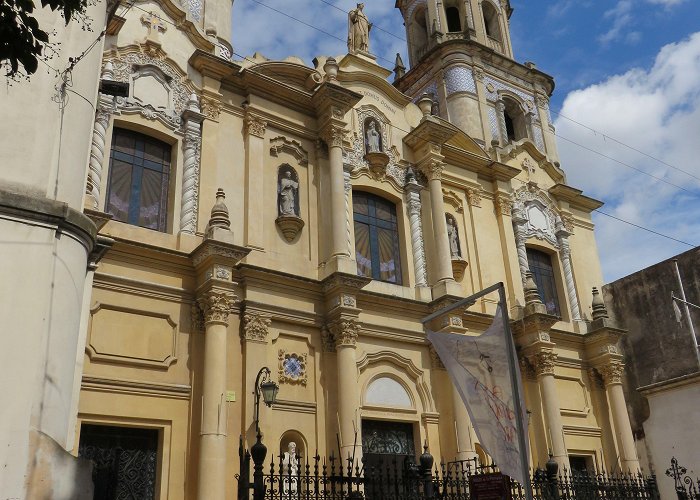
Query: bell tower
column 460, row 53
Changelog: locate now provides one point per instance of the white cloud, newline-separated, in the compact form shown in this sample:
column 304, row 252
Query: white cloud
column 621, row 16
column 666, row 3
column 257, row 28
column 654, row 110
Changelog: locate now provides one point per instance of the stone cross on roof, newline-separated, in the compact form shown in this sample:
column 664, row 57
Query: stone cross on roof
column 154, row 24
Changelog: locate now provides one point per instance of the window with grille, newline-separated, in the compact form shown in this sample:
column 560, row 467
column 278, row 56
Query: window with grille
column 376, row 238
column 543, row 273
column 139, row 171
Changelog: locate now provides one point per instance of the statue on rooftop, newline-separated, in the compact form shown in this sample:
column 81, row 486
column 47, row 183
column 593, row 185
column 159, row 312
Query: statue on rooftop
column 358, row 30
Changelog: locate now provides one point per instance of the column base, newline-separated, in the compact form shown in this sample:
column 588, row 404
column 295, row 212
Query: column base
column 446, row 287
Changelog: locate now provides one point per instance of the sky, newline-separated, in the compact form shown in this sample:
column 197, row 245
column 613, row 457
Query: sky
column 626, row 105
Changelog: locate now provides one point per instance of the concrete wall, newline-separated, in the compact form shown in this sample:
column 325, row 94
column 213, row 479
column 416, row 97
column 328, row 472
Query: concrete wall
column 658, row 349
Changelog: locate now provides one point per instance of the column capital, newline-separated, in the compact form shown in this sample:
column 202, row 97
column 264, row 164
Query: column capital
column 255, row 327
column 503, row 203
column 612, row 372
column 217, row 305
column 345, row 332
column 543, row 362
column 255, row 125
column 334, row 134
column 474, row 197
column 433, row 169
column 435, row 361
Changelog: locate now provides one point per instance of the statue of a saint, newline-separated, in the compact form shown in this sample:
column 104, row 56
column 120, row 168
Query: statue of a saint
column 454, row 238
column 287, row 191
column 358, row 30
column 373, row 139
column 290, row 471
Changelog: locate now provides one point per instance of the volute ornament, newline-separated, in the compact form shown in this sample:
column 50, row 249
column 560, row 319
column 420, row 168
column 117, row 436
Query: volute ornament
column 217, row 306
column 256, row 327
column 345, row 332
column 612, row 372
column 544, row 363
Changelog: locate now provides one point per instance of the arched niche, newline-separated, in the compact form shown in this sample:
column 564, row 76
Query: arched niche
column 418, row 31
column 454, row 17
column 287, row 191
column 293, row 436
column 373, row 135
column 491, row 21
column 453, row 236
column 384, row 390
column 517, row 126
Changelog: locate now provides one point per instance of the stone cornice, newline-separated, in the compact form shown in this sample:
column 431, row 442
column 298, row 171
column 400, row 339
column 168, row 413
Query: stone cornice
column 211, row 251
column 429, row 131
column 575, row 197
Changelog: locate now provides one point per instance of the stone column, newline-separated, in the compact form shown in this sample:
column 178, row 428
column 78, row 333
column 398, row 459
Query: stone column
column 254, row 157
column 413, row 205
column 334, row 138
column 97, row 148
column 217, row 305
column 612, row 376
column 345, row 333
column 519, row 222
column 565, row 255
column 349, row 231
column 500, row 115
column 463, row 428
column 544, row 363
column 192, row 149
column 443, row 268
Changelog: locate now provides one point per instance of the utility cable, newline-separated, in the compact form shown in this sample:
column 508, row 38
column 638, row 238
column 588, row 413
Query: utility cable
column 407, row 132
column 617, row 141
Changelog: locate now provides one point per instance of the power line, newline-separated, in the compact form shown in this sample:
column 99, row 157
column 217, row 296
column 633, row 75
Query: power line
column 312, row 26
column 637, row 169
column 374, row 26
column 406, row 132
column 645, row 228
column 617, row 141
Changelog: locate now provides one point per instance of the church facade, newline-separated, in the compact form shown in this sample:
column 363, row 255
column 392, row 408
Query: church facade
column 264, row 213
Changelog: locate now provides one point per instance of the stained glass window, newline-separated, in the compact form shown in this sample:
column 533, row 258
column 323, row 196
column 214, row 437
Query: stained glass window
column 543, row 273
column 376, row 238
column 139, row 171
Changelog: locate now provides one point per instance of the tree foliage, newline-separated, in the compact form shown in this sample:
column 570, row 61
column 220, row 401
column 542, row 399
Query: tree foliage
column 22, row 41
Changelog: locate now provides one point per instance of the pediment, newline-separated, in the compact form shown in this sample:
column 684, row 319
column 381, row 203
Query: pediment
column 291, row 73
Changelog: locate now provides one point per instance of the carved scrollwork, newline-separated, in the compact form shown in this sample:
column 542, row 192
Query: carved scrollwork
column 217, row 306
column 474, row 197
column 503, row 204
column 543, row 362
column 334, row 136
column 292, row 367
column 612, row 372
column 433, row 170
column 345, row 332
column 255, row 327
column 255, row 126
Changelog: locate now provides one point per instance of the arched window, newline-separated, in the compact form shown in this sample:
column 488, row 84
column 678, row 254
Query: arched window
column 493, row 30
column 454, row 21
column 418, row 31
column 542, row 271
column 516, row 123
column 376, row 238
column 139, row 171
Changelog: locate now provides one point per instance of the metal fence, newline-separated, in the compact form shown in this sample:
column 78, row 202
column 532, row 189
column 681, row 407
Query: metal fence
column 686, row 487
column 330, row 478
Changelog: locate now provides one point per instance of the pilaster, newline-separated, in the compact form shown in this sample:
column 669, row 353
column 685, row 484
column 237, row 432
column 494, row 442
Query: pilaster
column 254, row 132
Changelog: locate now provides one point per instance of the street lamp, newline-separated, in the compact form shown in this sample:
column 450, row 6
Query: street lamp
column 265, row 386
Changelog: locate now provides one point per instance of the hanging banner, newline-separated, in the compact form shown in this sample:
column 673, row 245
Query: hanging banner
column 480, row 370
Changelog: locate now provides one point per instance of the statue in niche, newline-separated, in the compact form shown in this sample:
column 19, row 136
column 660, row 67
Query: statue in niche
column 358, row 30
column 287, row 192
column 373, row 138
column 290, row 471
column 453, row 236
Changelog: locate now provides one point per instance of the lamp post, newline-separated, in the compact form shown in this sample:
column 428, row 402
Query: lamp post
column 265, row 386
